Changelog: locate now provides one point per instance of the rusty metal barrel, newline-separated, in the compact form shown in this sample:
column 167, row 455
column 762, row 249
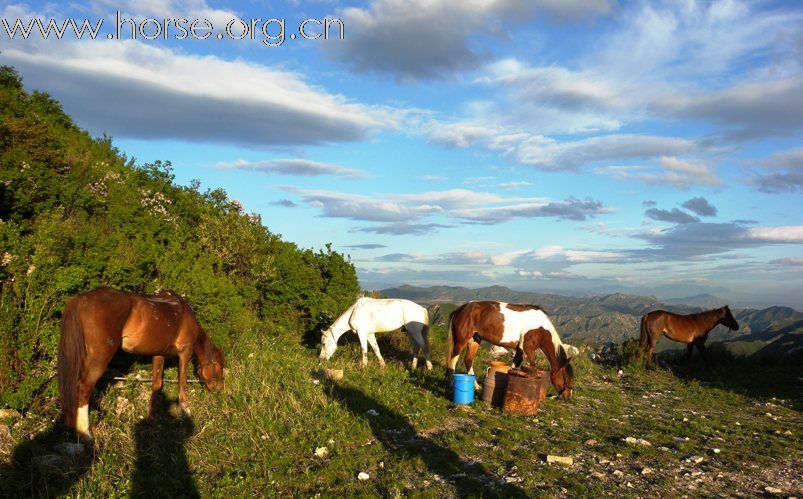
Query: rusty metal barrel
column 524, row 392
column 493, row 388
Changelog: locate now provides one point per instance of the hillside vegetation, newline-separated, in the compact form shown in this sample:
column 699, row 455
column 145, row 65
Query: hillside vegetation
column 75, row 214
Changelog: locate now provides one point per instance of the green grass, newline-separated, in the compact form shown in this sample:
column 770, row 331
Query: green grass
column 259, row 436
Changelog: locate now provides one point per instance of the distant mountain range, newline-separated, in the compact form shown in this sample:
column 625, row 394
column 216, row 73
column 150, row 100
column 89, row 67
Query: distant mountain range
column 616, row 317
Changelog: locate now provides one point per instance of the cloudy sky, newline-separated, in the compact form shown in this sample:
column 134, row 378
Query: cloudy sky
column 579, row 146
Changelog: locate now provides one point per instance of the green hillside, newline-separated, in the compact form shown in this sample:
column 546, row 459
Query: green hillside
column 76, row 213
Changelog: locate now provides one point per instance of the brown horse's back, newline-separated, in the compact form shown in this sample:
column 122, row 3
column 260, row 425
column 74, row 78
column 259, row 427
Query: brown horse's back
column 155, row 323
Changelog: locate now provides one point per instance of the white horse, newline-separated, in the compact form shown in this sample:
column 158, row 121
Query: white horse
column 369, row 316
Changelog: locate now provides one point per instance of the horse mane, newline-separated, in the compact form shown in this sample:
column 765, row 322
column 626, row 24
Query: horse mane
column 714, row 312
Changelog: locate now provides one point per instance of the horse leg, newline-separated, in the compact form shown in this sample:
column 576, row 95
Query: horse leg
column 184, row 357
column 473, row 346
column 701, row 347
column 417, row 339
column 375, row 348
column 652, row 339
column 156, row 384
column 689, row 349
column 518, row 358
column 363, row 347
column 94, row 366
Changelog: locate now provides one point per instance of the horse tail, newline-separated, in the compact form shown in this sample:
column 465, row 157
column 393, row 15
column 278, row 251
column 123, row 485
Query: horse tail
column 72, row 351
column 643, row 338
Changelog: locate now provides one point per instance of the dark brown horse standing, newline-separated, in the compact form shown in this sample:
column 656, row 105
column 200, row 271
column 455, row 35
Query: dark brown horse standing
column 692, row 329
column 98, row 323
column 523, row 327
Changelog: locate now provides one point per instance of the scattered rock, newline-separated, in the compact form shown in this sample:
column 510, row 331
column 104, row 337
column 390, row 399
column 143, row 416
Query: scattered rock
column 773, row 490
column 695, row 459
column 9, row 414
column 715, row 450
column 333, row 374
column 363, row 476
column 637, row 441
column 591, row 442
column 618, row 473
column 372, row 413
column 663, row 449
column 559, row 459
column 331, row 441
column 647, row 471
column 620, row 373
column 321, row 452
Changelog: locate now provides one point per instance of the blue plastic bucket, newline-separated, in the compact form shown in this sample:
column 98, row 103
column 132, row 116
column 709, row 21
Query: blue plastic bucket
column 463, row 388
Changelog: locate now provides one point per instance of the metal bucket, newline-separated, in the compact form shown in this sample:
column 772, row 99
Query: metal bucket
column 524, row 392
column 495, row 383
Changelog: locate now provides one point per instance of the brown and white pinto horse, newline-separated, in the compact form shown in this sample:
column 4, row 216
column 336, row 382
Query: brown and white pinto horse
column 523, row 327
column 692, row 329
column 98, row 323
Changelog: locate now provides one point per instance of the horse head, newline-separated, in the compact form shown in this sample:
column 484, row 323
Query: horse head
column 562, row 379
column 211, row 370
column 728, row 320
column 328, row 344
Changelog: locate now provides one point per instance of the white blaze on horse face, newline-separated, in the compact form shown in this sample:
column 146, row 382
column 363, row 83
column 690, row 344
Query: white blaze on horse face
column 328, row 345
column 82, row 420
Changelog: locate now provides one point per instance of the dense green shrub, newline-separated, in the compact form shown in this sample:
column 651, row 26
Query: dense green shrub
column 76, row 214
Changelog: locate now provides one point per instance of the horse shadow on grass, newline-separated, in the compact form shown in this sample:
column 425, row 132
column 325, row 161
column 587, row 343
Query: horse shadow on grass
column 162, row 468
column 47, row 465
column 760, row 379
column 401, row 440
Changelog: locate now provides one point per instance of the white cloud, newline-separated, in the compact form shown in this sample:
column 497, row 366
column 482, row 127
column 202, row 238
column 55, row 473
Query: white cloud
column 473, row 206
column 419, row 39
column 788, row 234
column 292, row 166
column 158, row 93
column 670, row 170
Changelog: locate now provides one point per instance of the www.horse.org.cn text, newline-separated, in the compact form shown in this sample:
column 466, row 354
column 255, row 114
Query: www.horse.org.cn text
column 270, row 32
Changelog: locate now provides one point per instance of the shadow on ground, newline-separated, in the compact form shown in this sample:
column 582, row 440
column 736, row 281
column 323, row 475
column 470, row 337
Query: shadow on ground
column 47, row 465
column 761, row 379
column 162, row 468
column 401, row 441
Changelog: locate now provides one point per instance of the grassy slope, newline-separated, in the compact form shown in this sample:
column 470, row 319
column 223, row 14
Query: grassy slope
column 259, row 436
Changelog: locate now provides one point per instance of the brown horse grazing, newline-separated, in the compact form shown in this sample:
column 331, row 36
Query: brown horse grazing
column 523, row 327
column 692, row 329
column 96, row 324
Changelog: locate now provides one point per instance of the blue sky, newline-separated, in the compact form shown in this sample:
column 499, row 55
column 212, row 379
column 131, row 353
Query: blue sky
column 578, row 146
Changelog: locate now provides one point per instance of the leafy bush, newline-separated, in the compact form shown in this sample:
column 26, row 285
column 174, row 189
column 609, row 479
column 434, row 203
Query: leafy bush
column 76, row 214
